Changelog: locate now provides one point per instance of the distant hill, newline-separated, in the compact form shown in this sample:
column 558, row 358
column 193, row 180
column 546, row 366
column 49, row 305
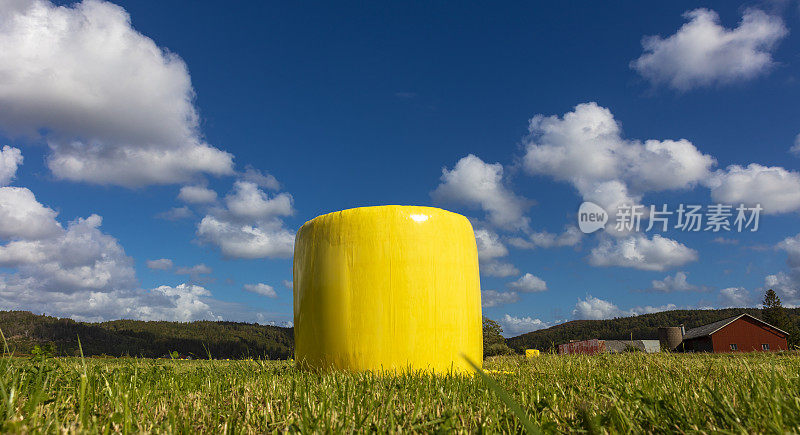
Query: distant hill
column 24, row 330
column 643, row 327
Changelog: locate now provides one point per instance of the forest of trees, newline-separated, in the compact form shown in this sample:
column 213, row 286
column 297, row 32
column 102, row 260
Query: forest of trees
column 24, row 330
column 493, row 341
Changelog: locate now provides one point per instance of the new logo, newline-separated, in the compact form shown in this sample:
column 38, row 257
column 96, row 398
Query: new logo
column 591, row 217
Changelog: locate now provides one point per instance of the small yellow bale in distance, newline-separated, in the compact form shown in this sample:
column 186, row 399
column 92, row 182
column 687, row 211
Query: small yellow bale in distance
column 531, row 353
column 390, row 288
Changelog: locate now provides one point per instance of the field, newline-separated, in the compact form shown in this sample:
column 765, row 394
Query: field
column 615, row 393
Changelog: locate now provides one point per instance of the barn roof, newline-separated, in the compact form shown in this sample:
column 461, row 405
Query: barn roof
column 711, row 328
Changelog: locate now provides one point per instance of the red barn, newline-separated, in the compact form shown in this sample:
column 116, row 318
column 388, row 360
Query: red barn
column 742, row 333
column 584, row 347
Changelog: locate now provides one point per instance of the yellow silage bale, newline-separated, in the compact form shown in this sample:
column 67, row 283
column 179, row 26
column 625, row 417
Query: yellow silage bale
column 387, row 288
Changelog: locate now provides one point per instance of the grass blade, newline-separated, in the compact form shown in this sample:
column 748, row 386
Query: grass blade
column 506, row 398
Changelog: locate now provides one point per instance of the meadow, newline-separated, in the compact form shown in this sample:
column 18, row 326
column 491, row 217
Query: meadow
column 604, row 393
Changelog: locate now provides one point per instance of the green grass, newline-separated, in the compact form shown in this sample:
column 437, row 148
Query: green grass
column 614, row 393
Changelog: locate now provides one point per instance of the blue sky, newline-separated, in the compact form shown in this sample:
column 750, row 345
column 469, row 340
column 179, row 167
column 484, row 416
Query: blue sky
column 204, row 135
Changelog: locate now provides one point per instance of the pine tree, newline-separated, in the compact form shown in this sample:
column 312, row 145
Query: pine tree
column 771, row 300
column 773, row 312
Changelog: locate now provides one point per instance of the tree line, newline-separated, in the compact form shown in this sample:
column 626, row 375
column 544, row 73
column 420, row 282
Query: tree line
column 24, row 331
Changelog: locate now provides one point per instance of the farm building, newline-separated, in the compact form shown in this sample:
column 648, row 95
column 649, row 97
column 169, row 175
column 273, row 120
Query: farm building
column 591, row 347
column 742, row 333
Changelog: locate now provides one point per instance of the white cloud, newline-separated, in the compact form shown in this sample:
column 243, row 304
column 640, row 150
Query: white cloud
column 247, row 201
column 56, row 77
column 10, row 159
column 529, row 283
column 734, row 297
column 80, row 258
column 77, row 162
column 521, row 325
column 201, row 269
column 775, row 188
column 703, row 53
column 261, row 179
column 489, row 245
column 493, row 298
column 787, row 284
column 195, row 271
column 246, row 241
column 792, row 247
column 284, row 324
column 585, row 148
column 676, row 283
column 648, row 309
column 23, row 217
column 182, row 303
column 261, row 289
column 197, row 195
column 490, row 249
column 83, row 273
column 176, row 214
column 725, row 241
column 250, row 225
column 58, row 86
column 78, row 271
column 639, row 252
column 593, row 308
column 160, row 264
column 477, row 184
column 288, row 284
column 498, row 269
column 45, row 257
column 795, row 149
column 543, row 239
